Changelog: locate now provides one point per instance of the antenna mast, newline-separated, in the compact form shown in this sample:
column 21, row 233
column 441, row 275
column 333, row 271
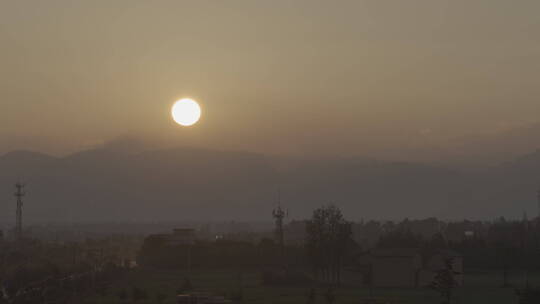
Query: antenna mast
column 279, row 214
column 19, row 195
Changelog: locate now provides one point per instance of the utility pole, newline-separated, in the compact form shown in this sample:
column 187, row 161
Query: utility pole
column 538, row 198
column 18, row 223
column 525, row 245
column 279, row 214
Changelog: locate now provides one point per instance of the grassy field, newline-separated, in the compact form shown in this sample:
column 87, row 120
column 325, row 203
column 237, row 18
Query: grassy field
column 479, row 288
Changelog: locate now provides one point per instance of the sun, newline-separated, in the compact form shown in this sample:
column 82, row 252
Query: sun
column 186, row 112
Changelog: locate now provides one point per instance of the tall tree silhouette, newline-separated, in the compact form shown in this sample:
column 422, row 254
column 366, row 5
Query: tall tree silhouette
column 329, row 237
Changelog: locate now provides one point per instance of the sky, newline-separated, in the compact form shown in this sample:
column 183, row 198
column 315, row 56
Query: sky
column 370, row 78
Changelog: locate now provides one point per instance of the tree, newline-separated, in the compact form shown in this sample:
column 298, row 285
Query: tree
column 505, row 239
column 445, row 282
column 329, row 237
column 400, row 238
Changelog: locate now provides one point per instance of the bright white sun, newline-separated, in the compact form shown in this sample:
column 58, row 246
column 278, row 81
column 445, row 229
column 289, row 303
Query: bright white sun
column 186, row 112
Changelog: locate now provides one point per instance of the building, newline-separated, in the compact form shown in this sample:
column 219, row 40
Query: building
column 181, row 236
column 395, row 267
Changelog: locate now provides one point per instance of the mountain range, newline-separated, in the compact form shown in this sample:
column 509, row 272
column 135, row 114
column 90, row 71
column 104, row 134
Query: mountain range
column 116, row 184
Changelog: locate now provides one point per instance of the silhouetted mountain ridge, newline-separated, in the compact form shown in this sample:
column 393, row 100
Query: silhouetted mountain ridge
column 199, row 184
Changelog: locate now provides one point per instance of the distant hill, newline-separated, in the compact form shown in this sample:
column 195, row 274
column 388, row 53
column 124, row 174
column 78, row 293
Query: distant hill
column 491, row 148
column 178, row 184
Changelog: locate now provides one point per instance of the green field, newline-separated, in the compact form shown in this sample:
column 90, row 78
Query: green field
column 479, row 288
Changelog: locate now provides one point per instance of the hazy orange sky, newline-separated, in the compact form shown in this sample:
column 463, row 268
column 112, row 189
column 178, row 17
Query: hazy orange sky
column 295, row 77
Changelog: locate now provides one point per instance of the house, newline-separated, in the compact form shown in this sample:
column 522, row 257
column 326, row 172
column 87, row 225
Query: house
column 395, row 267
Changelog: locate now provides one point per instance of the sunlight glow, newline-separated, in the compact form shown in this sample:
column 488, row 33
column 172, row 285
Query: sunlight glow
column 186, row 112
